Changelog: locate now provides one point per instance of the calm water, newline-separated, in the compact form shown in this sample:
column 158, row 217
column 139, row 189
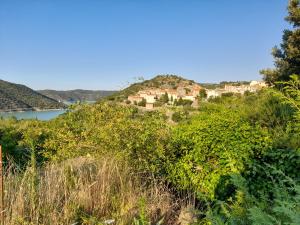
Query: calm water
column 43, row 115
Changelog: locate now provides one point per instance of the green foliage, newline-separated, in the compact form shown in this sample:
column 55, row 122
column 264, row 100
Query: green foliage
column 100, row 128
column 142, row 219
column 142, row 103
column 19, row 138
column 266, row 108
column 245, row 208
column 164, row 98
column 202, row 94
column 291, row 97
column 227, row 94
column 179, row 116
column 211, row 146
column 183, row 102
column 287, row 56
column 158, row 104
column 272, row 168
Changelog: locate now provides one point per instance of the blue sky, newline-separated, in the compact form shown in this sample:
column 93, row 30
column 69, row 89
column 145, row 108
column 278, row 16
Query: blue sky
column 104, row 44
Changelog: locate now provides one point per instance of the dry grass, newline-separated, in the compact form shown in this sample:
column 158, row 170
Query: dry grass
column 85, row 191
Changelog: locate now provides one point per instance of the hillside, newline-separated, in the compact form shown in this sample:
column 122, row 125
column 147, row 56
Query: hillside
column 76, row 95
column 160, row 81
column 15, row 97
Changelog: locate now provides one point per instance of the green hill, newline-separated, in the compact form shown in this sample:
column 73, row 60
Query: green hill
column 15, row 97
column 160, row 81
column 76, row 95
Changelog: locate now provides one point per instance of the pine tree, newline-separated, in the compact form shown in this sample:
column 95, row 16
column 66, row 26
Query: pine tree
column 287, row 56
column 165, row 98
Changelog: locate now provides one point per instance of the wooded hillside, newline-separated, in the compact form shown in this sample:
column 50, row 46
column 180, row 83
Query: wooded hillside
column 76, row 95
column 14, row 97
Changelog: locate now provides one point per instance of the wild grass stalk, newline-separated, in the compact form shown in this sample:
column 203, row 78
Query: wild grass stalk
column 85, row 191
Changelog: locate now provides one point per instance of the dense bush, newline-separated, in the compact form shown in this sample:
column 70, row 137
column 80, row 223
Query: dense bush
column 142, row 103
column 179, row 116
column 183, row 102
column 272, row 168
column 20, row 138
column 101, row 128
column 211, row 147
column 246, row 208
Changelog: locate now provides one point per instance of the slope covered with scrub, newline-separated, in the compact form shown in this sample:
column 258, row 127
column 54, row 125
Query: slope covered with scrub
column 19, row 97
column 160, row 81
column 76, row 95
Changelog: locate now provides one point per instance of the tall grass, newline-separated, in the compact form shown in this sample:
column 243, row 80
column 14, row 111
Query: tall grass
column 85, row 191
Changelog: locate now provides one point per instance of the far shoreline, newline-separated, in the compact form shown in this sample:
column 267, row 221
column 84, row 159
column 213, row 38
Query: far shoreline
column 32, row 109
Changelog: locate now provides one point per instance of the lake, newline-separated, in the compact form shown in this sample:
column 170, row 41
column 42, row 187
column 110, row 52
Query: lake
column 40, row 115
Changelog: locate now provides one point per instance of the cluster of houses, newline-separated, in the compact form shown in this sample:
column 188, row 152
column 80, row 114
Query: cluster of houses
column 151, row 96
column 254, row 86
column 190, row 92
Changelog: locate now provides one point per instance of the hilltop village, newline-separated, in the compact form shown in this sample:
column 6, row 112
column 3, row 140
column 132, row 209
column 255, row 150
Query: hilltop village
column 188, row 94
column 253, row 86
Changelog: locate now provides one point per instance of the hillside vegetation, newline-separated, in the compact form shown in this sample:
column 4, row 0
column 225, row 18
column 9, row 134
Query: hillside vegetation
column 19, row 97
column 160, row 81
column 235, row 160
column 76, row 95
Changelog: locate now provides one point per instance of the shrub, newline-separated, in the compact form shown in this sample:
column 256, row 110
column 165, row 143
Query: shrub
column 271, row 169
column 101, row 128
column 180, row 116
column 164, row 98
column 202, row 94
column 228, row 94
column 245, row 208
column 212, row 146
column 142, row 103
column 158, row 104
column 183, row 102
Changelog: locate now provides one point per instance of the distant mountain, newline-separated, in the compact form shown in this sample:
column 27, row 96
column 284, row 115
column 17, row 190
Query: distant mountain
column 17, row 97
column 160, row 81
column 76, row 95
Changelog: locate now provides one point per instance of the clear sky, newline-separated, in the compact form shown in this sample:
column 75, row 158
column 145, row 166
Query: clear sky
column 103, row 44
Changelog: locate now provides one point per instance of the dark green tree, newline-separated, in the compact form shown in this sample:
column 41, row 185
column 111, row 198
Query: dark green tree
column 142, row 103
column 287, row 56
column 202, row 94
column 164, row 98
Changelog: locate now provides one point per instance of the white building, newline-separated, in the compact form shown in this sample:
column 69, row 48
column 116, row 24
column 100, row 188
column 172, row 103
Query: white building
column 150, row 98
column 189, row 97
column 212, row 93
column 258, row 83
